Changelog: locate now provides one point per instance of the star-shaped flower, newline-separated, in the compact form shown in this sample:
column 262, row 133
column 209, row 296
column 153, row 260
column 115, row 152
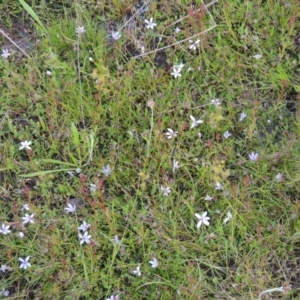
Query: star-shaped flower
column 208, row 198
column 116, row 35
column 84, row 226
column 154, row 263
column 5, row 53
column 257, row 56
column 70, row 208
column 219, row 186
column 28, row 219
column 80, row 30
column 170, row 134
column 150, row 24
column 112, row 297
column 24, row 263
column 242, row 116
column 194, row 45
column 5, row 229
column 253, row 156
column 137, row 271
column 25, row 145
column 166, row 190
column 84, row 238
column 203, row 219
column 106, row 171
column 195, row 122
column 175, row 165
column 215, row 102
column 176, row 72
column 228, row 217
column 226, row 134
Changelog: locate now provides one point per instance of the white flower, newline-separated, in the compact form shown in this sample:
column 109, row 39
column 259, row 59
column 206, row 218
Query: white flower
column 242, row 116
column 25, row 145
column 21, row 235
column 150, row 24
column 106, row 170
column 24, row 263
column 177, row 30
column 112, row 297
column 219, row 186
column 25, row 207
column 215, row 102
column 175, row 165
column 195, row 122
column 93, row 187
column 116, row 35
column 278, row 177
column 166, row 190
column 84, row 226
column 28, row 219
column 194, row 45
column 257, row 56
column 70, row 208
column 5, row 268
column 137, row 271
column 48, row 73
column 78, row 170
column 203, row 219
column 154, row 263
column 176, row 72
column 208, row 198
column 84, row 238
column 253, row 156
column 170, row 134
column 116, row 240
column 228, row 217
column 80, row 29
column 226, row 134
column 4, row 292
column 5, row 53
column 5, row 229
column 179, row 67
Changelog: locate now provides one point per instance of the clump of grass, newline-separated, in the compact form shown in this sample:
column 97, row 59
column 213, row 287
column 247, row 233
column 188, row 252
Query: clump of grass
column 144, row 163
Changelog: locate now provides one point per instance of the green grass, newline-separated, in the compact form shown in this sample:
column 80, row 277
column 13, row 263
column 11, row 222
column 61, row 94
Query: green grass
column 95, row 110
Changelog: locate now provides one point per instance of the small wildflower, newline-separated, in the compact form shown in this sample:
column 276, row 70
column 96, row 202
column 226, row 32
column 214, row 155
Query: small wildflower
column 195, row 122
column 242, row 116
column 5, row 53
column 25, row 207
column 84, row 226
column 215, row 102
column 208, row 198
column 226, row 134
column 4, row 292
column 21, row 235
column 279, row 177
column 48, row 73
column 154, row 263
column 28, row 219
column 106, row 170
column 116, row 240
column 78, row 170
column 166, row 190
column 179, row 67
column 219, row 186
column 70, row 208
column 150, row 24
column 257, row 56
column 194, row 45
column 170, row 134
column 137, row 271
column 93, row 187
column 84, row 238
column 24, row 263
column 116, row 35
column 253, row 156
column 203, row 219
column 228, row 217
column 4, row 268
column 25, row 145
column 112, row 297
column 150, row 104
column 5, row 229
column 176, row 72
column 80, row 29
column 175, row 165
column 177, row 30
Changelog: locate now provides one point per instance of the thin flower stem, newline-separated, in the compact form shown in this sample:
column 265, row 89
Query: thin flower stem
column 3, row 33
column 150, row 134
